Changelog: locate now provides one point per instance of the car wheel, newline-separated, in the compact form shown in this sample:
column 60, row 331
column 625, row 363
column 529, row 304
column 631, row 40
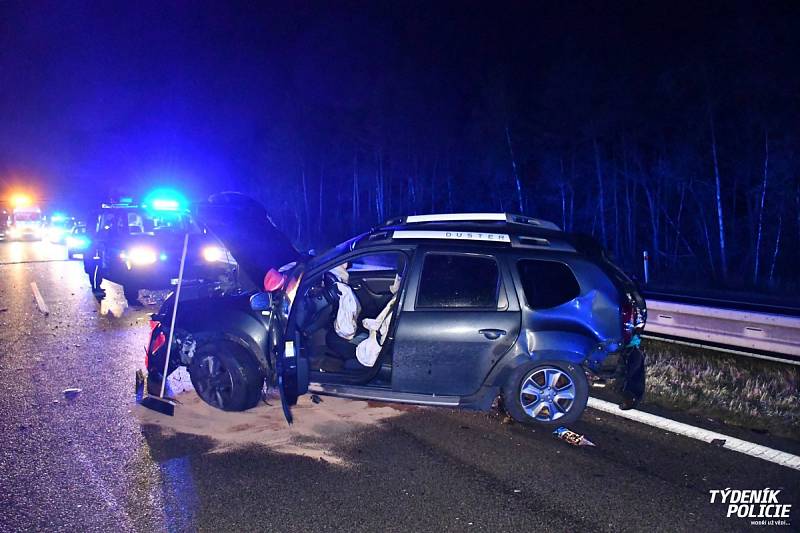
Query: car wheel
column 552, row 393
column 225, row 376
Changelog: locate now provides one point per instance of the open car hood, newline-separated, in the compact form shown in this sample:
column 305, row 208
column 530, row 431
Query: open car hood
column 243, row 226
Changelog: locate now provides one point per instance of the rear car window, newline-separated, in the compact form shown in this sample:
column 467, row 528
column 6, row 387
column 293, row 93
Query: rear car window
column 458, row 281
column 547, row 283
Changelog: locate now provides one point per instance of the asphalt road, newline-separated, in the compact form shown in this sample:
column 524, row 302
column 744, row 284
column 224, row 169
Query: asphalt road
column 94, row 464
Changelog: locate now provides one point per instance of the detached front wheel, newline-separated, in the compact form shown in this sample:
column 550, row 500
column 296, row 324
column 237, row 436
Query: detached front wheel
column 225, row 376
column 546, row 394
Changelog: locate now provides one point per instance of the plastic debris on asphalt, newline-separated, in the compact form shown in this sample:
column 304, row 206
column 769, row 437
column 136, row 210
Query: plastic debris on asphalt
column 179, row 381
column 576, row 439
column 72, row 393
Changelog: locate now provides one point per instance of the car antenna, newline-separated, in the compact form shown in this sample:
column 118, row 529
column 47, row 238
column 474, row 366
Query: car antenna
column 159, row 403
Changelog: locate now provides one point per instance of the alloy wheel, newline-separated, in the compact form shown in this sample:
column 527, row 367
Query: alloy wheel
column 215, row 383
column 547, row 393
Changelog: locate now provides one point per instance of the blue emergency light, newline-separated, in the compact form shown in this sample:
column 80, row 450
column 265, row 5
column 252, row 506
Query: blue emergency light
column 164, row 200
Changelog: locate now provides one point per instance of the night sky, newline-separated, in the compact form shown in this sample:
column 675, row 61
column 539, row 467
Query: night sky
column 420, row 98
column 134, row 92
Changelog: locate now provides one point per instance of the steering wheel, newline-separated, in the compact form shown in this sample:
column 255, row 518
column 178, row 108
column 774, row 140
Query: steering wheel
column 329, row 290
column 319, row 298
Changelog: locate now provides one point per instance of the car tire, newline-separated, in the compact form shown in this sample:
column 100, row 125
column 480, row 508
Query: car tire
column 225, row 376
column 536, row 388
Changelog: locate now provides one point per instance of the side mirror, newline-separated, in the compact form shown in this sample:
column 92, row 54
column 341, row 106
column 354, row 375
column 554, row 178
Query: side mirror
column 261, row 301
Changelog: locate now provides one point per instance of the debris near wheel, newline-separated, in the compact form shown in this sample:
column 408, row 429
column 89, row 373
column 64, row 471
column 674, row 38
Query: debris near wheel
column 576, row 439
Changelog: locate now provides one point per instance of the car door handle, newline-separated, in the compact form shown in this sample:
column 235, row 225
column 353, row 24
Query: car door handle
column 492, row 334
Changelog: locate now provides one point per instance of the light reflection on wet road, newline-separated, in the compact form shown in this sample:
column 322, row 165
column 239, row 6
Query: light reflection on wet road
column 29, row 251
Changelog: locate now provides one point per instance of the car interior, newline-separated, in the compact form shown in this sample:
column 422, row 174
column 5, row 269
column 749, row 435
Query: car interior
column 373, row 280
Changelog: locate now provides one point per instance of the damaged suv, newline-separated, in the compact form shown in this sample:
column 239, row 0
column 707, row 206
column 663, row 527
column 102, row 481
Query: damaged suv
column 444, row 310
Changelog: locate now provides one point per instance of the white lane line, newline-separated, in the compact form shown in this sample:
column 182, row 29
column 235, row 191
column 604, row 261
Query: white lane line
column 731, row 443
column 39, row 300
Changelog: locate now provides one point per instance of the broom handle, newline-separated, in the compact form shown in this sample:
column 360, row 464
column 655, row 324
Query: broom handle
column 174, row 314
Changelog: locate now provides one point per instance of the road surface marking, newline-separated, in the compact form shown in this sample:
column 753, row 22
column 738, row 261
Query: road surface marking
column 32, row 261
column 731, row 443
column 39, row 300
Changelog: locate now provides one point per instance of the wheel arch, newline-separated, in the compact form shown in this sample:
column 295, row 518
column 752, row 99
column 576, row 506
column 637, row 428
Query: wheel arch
column 235, row 326
column 513, row 362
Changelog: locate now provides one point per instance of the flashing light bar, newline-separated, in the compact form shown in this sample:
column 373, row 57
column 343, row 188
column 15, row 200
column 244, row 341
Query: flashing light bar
column 165, row 205
column 21, row 200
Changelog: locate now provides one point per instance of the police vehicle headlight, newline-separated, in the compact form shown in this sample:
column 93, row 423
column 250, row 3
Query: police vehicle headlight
column 212, row 254
column 140, row 256
column 77, row 242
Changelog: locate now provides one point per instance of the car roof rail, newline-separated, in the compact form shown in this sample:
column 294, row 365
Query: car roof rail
column 509, row 218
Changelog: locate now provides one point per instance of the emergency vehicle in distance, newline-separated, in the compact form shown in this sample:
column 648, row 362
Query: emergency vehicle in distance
column 3, row 224
column 59, row 227
column 25, row 223
column 139, row 246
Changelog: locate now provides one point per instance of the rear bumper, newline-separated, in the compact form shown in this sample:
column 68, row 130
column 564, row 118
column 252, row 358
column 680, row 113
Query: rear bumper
column 626, row 370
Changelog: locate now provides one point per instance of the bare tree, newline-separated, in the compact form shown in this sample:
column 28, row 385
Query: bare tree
column 761, row 209
column 514, row 171
column 720, row 218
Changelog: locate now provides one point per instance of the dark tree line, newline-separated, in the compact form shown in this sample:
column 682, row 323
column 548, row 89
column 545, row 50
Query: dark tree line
column 666, row 127
column 691, row 154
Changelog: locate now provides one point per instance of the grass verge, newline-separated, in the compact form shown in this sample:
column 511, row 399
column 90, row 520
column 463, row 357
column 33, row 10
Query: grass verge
column 747, row 392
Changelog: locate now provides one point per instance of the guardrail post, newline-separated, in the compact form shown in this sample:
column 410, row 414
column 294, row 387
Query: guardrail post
column 646, row 260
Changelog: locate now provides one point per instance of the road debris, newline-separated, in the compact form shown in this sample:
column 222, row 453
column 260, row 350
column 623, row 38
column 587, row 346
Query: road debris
column 72, row 393
column 40, row 303
column 571, row 437
column 316, row 399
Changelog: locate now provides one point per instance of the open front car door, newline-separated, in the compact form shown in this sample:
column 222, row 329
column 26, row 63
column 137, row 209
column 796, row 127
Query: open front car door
column 290, row 361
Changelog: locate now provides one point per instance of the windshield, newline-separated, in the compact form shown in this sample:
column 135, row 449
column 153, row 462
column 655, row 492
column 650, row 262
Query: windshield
column 137, row 221
column 338, row 250
column 27, row 217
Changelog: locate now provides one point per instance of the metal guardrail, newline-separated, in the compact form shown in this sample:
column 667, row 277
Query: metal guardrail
column 754, row 334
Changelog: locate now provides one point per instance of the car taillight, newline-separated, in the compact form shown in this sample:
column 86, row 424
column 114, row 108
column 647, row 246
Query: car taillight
column 158, row 342
column 628, row 319
column 153, row 325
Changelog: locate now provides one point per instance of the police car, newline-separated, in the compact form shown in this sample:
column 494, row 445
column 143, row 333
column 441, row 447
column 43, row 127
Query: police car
column 139, row 246
column 460, row 310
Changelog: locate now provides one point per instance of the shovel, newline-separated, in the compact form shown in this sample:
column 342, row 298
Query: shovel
column 159, row 403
